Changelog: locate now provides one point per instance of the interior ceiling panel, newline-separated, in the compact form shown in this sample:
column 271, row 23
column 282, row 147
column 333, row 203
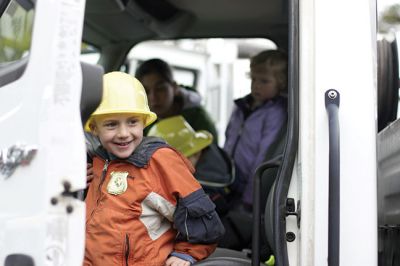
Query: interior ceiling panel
column 116, row 27
column 110, row 21
column 222, row 10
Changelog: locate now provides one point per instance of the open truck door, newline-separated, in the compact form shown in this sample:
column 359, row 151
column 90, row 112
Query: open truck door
column 42, row 157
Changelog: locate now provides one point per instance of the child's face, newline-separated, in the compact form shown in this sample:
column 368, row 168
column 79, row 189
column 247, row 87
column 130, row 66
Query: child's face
column 160, row 93
column 264, row 86
column 119, row 134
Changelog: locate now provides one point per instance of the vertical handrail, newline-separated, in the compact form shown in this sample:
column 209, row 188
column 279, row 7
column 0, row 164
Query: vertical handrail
column 332, row 101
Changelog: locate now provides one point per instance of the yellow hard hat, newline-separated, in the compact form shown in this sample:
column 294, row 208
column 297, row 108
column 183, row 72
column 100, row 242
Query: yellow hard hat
column 122, row 94
column 177, row 132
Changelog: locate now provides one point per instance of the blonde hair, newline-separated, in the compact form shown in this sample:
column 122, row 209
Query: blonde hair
column 275, row 61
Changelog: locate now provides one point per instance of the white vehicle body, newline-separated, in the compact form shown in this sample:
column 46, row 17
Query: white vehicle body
column 41, row 111
column 338, row 52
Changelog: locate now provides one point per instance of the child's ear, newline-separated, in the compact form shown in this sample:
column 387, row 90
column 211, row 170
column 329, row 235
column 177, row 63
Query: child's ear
column 144, row 119
column 93, row 128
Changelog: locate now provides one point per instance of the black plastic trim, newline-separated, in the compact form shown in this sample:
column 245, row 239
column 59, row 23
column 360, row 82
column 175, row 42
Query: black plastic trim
column 26, row 4
column 3, row 6
column 19, row 260
column 12, row 71
column 285, row 172
column 92, row 89
column 273, row 163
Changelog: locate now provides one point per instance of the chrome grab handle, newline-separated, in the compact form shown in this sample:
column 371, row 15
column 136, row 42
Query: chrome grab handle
column 12, row 157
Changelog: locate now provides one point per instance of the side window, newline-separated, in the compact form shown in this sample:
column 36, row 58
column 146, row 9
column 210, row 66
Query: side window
column 186, row 76
column 89, row 54
column 217, row 68
column 16, row 31
column 16, row 24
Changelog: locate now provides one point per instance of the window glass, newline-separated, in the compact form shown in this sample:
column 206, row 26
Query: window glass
column 16, row 31
column 203, row 64
column 89, row 53
column 186, row 77
column 217, row 68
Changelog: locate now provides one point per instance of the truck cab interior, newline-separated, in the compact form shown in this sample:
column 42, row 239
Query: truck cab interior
column 114, row 27
column 130, row 22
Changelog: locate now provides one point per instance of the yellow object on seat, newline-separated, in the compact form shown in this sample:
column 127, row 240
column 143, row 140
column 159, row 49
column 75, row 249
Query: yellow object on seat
column 177, row 132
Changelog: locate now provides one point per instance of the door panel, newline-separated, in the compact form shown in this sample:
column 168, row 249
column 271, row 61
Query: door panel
column 40, row 112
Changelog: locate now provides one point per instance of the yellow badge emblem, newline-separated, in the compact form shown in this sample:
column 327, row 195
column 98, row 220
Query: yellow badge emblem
column 118, row 183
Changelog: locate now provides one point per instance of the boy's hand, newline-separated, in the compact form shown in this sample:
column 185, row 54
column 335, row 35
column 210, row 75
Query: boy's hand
column 175, row 261
column 89, row 173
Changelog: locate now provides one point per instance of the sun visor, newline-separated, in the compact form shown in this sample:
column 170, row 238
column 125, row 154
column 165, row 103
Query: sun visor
column 108, row 6
column 161, row 17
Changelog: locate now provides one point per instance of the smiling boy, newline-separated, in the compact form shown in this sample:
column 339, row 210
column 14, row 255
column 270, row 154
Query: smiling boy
column 144, row 206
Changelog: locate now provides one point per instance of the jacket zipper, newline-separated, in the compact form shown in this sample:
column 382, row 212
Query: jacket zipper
column 237, row 139
column 127, row 248
column 186, row 227
column 103, row 177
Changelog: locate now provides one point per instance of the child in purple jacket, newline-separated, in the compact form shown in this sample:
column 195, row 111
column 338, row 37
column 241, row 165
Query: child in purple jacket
column 257, row 119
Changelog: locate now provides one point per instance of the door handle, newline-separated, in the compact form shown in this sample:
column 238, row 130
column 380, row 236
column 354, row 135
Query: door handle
column 14, row 156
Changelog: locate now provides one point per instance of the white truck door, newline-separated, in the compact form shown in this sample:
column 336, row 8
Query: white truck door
column 42, row 155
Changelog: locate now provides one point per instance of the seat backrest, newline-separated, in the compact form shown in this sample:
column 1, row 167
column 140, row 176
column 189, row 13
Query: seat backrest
column 268, row 184
column 277, row 147
column 91, row 94
column 92, row 89
column 218, row 173
column 227, row 256
column 264, row 178
column 275, row 151
column 268, row 221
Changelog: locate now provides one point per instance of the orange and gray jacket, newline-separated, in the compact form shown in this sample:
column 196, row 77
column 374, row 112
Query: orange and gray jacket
column 141, row 210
